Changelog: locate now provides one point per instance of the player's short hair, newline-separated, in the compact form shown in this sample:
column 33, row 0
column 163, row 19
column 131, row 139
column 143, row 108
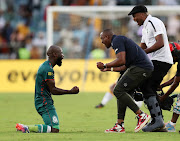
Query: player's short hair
column 108, row 32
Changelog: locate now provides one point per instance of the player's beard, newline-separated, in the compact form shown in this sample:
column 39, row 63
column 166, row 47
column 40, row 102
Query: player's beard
column 59, row 61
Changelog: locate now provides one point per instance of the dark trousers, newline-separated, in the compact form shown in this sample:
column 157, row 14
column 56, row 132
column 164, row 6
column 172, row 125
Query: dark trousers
column 160, row 70
column 131, row 79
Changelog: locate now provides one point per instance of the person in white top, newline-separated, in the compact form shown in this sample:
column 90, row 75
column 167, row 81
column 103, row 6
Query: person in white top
column 154, row 42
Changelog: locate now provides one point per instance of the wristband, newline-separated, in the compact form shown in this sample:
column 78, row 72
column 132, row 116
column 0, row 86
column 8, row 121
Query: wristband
column 111, row 68
column 105, row 66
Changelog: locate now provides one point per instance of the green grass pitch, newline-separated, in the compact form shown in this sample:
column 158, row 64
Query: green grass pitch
column 79, row 120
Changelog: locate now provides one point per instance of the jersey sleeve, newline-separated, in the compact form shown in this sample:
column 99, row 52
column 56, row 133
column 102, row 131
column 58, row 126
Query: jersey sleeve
column 157, row 29
column 118, row 45
column 49, row 74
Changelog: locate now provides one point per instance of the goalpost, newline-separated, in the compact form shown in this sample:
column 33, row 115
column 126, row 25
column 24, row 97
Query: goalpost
column 76, row 28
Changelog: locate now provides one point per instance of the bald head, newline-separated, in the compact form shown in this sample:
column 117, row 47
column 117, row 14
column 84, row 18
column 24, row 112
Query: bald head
column 53, row 49
column 55, row 55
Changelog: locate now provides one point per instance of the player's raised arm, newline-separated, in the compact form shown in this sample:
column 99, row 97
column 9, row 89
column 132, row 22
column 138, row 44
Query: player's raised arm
column 57, row 91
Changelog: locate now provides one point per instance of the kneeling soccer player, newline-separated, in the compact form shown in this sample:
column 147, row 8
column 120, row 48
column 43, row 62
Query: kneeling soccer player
column 44, row 87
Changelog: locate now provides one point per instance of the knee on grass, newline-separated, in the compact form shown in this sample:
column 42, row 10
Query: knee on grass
column 54, row 130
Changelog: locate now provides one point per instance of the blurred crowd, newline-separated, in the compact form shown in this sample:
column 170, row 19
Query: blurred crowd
column 23, row 28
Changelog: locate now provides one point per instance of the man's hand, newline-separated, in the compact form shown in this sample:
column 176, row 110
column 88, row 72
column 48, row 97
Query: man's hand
column 103, row 70
column 74, row 90
column 100, row 65
column 162, row 98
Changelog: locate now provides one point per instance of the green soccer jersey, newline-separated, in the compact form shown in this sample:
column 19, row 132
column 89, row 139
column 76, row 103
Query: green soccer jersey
column 42, row 92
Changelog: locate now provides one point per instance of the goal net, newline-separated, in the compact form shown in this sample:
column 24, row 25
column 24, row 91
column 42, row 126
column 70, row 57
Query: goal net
column 76, row 28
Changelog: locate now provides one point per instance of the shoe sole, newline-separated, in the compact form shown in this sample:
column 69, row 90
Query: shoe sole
column 170, row 130
column 113, row 132
column 160, row 130
column 143, row 124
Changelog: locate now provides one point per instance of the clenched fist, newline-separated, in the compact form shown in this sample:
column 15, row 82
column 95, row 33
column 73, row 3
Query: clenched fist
column 75, row 90
column 100, row 65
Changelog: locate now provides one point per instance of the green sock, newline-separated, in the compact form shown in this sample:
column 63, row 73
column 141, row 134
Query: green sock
column 33, row 128
column 40, row 128
column 44, row 128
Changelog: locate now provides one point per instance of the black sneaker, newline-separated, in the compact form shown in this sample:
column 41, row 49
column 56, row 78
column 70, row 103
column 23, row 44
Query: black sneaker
column 99, row 106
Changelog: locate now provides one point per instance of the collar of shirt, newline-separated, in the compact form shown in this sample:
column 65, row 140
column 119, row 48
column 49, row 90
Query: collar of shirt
column 112, row 39
column 146, row 21
column 50, row 64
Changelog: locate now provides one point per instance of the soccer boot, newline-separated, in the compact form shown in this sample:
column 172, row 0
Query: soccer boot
column 19, row 126
column 22, row 127
column 99, row 106
column 25, row 129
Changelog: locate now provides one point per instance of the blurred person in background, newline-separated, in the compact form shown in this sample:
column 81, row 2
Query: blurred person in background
column 167, row 2
column 173, row 27
column 173, row 83
column 40, row 39
column 154, row 42
column 16, row 41
column 109, row 95
column 35, row 53
column 24, row 29
column 66, row 35
column 51, row 3
column 40, row 42
column 132, row 30
column 97, row 53
column 44, row 88
column 77, row 48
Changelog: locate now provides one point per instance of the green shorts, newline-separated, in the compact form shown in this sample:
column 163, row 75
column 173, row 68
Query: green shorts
column 49, row 115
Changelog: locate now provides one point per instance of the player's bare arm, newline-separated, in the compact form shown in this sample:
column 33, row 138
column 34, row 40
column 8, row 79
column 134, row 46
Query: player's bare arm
column 174, row 85
column 57, row 91
column 115, row 69
column 167, row 83
column 159, row 44
column 119, row 61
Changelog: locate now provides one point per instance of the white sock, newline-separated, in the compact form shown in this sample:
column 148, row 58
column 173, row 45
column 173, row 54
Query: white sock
column 172, row 123
column 48, row 129
column 107, row 97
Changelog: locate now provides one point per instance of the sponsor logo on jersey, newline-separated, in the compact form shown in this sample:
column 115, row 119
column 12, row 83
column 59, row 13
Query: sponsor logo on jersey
column 50, row 73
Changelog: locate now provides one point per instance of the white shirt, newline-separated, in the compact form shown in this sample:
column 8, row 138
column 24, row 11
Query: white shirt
column 149, row 32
